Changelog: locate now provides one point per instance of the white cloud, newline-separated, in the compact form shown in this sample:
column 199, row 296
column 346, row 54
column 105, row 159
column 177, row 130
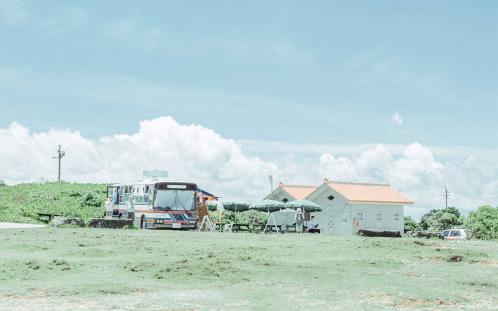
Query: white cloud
column 229, row 169
column 397, row 119
column 189, row 152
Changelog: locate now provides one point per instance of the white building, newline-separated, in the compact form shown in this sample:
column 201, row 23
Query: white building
column 289, row 193
column 349, row 207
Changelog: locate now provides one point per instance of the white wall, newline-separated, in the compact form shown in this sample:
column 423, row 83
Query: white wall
column 385, row 217
column 279, row 195
column 337, row 215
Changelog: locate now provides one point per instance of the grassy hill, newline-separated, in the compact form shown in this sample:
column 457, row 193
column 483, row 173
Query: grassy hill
column 21, row 203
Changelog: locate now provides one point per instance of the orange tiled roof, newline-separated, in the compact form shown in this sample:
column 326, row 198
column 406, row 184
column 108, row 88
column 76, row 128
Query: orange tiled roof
column 369, row 193
column 300, row 192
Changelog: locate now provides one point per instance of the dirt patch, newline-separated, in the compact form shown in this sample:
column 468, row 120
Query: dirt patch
column 33, row 265
column 409, row 303
column 455, row 258
column 420, row 243
column 413, row 274
column 480, row 284
column 492, row 263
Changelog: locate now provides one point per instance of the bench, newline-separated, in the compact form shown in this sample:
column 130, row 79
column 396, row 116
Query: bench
column 240, row 227
column 258, row 227
column 48, row 216
column 290, row 228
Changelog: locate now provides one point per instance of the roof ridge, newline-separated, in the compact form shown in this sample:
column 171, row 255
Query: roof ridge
column 359, row 183
column 300, row 186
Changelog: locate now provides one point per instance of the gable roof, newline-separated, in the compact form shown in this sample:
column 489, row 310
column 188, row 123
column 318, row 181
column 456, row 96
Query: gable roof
column 369, row 193
column 299, row 192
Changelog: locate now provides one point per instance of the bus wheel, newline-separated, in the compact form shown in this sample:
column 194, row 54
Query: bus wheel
column 143, row 223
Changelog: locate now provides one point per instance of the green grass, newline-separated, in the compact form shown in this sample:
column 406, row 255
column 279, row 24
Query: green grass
column 168, row 270
column 21, row 203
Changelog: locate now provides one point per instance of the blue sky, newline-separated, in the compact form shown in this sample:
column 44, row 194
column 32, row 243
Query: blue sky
column 398, row 91
column 327, row 71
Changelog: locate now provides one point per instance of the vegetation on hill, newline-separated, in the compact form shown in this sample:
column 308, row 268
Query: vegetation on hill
column 483, row 223
column 23, row 202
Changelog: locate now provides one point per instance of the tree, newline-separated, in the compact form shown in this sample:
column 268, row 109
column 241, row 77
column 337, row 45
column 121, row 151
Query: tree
column 483, row 223
column 410, row 224
column 438, row 220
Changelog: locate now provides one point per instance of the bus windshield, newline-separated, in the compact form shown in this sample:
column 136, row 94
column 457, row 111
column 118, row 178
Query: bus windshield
column 174, row 200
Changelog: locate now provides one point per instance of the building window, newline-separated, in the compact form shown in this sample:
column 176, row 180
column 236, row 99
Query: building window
column 331, row 197
column 396, row 217
column 379, row 217
column 345, row 219
column 360, row 216
column 285, row 200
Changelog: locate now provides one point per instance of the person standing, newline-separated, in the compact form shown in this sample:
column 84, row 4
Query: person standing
column 109, row 207
column 131, row 208
column 299, row 221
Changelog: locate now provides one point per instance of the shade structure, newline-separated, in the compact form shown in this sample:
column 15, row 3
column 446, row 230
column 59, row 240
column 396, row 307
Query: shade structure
column 268, row 206
column 212, row 206
column 236, row 206
column 305, row 205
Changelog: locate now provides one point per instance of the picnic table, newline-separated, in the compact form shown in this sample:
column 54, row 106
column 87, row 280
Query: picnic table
column 273, row 228
column 240, row 227
column 258, row 227
column 49, row 216
column 290, row 228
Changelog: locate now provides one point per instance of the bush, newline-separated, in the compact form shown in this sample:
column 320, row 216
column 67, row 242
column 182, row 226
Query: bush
column 483, row 223
column 251, row 217
column 439, row 220
column 411, row 225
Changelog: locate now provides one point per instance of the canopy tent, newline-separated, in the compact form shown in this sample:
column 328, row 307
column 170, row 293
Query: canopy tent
column 268, row 206
column 285, row 217
column 212, row 205
column 305, row 205
column 236, row 206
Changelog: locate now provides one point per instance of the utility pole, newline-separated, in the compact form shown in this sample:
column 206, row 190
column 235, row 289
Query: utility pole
column 271, row 183
column 59, row 156
column 446, row 196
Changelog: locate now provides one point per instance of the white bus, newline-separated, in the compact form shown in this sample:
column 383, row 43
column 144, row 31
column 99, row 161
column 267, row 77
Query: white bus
column 157, row 205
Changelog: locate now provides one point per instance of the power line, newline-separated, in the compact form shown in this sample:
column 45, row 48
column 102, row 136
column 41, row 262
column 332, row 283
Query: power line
column 60, row 154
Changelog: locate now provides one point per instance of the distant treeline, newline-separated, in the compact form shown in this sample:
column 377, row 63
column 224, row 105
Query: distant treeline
column 480, row 224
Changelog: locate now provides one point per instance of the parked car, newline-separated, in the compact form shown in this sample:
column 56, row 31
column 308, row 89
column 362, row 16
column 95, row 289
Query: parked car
column 453, row 234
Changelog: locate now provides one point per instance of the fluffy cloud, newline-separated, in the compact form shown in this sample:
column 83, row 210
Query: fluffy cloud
column 220, row 165
column 188, row 152
column 413, row 167
column 397, row 119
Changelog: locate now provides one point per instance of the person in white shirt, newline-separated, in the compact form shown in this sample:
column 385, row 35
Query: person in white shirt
column 131, row 208
column 109, row 206
column 299, row 221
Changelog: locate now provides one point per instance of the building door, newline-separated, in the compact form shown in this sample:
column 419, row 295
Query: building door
column 331, row 225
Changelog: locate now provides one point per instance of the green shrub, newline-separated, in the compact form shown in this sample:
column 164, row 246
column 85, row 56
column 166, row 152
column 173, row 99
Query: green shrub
column 410, row 224
column 483, row 223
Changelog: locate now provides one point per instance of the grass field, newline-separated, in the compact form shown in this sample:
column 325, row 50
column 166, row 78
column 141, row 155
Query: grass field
column 66, row 269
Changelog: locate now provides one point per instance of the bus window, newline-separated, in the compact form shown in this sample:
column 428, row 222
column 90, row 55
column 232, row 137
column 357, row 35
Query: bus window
column 167, row 200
